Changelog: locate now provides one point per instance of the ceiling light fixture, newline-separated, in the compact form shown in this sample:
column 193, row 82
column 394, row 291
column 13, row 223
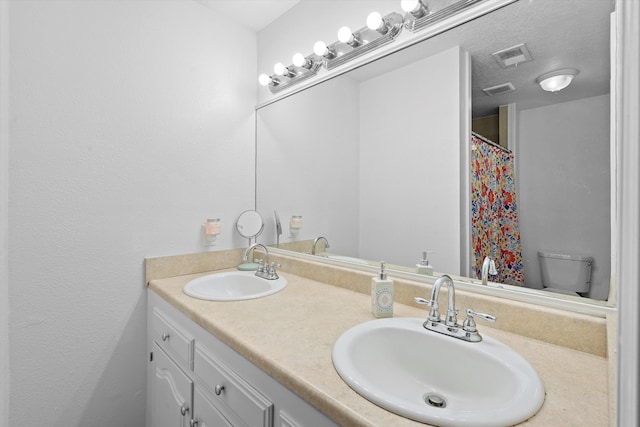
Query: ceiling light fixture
column 557, row 80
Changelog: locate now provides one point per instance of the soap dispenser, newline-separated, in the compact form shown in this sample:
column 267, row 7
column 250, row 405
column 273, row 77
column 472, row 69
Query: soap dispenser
column 382, row 294
column 423, row 266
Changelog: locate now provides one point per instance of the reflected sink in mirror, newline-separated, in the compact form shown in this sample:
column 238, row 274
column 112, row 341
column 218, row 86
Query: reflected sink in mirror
column 345, row 259
column 436, row 379
column 233, row 286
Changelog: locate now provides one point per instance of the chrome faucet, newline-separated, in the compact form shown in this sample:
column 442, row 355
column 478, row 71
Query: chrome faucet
column 488, row 267
column 315, row 242
column 266, row 270
column 450, row 326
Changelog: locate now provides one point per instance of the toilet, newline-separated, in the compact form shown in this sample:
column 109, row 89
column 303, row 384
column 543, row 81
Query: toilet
column 565, row 273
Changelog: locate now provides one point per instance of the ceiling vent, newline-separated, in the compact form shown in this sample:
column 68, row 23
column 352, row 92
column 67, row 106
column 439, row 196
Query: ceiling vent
column 512, row 56
column 499, row 89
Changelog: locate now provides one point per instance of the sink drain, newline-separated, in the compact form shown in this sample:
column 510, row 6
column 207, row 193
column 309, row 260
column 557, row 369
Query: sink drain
column 435, row 400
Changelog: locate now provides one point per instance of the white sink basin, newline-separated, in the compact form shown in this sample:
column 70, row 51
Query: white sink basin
column 400, row 366
column 233, row 286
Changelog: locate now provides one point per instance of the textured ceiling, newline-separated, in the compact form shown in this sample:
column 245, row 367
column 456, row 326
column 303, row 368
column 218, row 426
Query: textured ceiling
column 558, row 34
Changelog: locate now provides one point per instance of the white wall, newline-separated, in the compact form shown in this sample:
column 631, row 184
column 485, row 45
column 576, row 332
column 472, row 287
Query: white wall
column 398, row 116
column 131, row 122
column 4, row 220
column 308, row 165
column 564, row 196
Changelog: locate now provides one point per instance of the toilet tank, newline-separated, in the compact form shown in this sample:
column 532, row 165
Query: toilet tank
column 565, row 271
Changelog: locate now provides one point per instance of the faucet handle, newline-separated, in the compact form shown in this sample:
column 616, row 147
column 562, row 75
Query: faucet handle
column 469, row 325
column 422, row 301
column 434, row 314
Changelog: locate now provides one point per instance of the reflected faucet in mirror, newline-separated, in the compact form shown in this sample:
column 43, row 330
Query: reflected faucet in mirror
column 488, row 267
column 315, row 242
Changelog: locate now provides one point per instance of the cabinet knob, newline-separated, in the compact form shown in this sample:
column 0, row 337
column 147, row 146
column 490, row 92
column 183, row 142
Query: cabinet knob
column 194, row 423
column 165, row 336
column 184, row 409
column 219, row 389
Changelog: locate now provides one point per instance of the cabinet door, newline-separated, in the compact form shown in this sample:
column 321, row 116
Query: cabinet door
column 171, row 392
column 205, row 412
column 231, row 393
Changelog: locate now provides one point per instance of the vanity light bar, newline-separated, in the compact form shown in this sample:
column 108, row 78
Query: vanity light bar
column 293, row 74
column 413, row 24
column 378, row 32
column 367, row 39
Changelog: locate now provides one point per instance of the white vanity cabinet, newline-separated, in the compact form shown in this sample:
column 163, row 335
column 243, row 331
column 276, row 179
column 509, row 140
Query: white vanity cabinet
column 194, row 379
column 171, row 394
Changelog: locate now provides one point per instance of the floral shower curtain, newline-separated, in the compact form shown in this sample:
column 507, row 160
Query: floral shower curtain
column 494, row 216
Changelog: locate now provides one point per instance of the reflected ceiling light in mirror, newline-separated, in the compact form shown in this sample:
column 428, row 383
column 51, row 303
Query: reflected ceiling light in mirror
column 417, row 19
column 415, row 7
column 345, row 35
column 557, row 80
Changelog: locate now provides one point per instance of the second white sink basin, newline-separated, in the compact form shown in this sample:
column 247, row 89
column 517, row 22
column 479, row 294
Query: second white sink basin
column 233, row 286
column 433, row 378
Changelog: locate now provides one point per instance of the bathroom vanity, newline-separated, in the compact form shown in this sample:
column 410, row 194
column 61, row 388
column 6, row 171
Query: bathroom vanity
column 267, row 361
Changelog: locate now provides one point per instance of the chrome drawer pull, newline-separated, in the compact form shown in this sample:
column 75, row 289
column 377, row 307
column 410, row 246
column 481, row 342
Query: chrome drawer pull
column 165, row 336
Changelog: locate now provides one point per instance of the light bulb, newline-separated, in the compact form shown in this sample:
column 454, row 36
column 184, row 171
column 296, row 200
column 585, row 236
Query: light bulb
column 299, row 60
column 345, row 35
column 279, row 69
column 264, row 79
column 415, row 7
column 557, row 80
column 375, row 21
column 557, row 83
column 410, row 5
column 320, row 48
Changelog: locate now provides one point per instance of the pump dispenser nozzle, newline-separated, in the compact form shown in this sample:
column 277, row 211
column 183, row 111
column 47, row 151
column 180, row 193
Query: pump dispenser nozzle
column 383, row 274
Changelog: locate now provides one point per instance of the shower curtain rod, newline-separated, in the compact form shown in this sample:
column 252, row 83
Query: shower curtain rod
column 488, row 141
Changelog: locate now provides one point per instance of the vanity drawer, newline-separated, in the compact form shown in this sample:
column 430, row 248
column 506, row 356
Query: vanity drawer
column 172, row 338
column 231, row 392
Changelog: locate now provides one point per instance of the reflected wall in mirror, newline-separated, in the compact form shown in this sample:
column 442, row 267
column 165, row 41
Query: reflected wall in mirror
column 377, row 159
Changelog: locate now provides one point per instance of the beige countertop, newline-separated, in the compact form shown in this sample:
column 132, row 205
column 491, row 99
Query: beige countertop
column 290, row 336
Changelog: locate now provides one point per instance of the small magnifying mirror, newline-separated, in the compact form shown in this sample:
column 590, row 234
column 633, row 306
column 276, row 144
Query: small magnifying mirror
column 250, row 224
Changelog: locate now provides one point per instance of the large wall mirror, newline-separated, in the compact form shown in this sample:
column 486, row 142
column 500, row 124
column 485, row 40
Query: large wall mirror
column 378, row 160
